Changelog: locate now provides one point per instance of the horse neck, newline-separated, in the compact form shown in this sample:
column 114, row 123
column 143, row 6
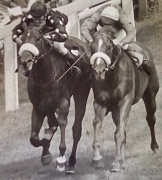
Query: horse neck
column 43, row 70
column 121, row 69
column 48, row 67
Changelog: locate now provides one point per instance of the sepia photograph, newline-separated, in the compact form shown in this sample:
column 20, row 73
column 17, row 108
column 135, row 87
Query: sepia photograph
column 81, row 89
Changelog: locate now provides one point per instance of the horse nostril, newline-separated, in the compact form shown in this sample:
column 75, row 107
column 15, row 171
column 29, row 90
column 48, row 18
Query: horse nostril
column 30, row 60
column 23, row 63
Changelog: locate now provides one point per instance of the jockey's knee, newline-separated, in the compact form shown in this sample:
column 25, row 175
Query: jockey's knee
column 60, row 47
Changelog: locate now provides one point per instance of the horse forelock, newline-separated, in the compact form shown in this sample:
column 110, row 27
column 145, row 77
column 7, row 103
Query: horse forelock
column 100, row 46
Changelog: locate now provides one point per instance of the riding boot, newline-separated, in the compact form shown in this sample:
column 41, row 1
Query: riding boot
column 147, row 66
column 71, row 59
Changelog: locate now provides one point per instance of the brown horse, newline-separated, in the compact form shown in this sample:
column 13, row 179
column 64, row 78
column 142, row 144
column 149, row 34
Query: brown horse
column 50, row 94
column 118, row 84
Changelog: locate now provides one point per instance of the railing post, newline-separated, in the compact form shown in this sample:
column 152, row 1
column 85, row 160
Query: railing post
column 127, row 5
column 143, row 8
column 11, row 78
column 75, row 25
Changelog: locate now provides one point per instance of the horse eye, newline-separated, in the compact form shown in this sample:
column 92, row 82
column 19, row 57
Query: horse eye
column 38, row 39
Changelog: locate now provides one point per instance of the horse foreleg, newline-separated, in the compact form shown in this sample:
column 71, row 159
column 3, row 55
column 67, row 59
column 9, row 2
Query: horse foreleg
column 37, row 121
column 100, row 113
column 46, row 155
column 150, row 104
column 122, row 161
column 62, row 112
column 80, row 99
column 120, row 117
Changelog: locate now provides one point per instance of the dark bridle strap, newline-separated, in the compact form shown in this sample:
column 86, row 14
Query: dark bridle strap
column 117, row 58
column 39, row 57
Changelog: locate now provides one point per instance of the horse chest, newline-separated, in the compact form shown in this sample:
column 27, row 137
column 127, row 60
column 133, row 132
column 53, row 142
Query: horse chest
column 110, row 93
column 103, row 97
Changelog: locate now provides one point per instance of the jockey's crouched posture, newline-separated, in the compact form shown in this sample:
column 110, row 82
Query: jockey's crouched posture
column 114, row 16
column 54, row 22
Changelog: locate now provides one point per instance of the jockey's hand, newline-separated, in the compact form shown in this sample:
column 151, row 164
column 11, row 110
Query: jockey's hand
column 120, row 44
column 47, row 37
column 116, row 42
column 123, row 46
column 18, row 41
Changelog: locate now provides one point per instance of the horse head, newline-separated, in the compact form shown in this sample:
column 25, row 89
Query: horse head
column 104, row 52
column 33, row 46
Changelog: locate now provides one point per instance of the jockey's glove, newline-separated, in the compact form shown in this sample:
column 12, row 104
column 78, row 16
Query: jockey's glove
column 18, row 41
column 122, row 45
column 47, row 37
column 116, row 42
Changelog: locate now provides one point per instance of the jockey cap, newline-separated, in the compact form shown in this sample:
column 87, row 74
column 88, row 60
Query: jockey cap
column 38, row 9
column 111, row 13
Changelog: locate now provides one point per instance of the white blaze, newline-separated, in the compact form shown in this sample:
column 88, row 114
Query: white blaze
column 100, row 43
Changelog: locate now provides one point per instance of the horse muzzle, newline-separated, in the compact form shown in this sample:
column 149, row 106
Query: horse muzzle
column 27, row 60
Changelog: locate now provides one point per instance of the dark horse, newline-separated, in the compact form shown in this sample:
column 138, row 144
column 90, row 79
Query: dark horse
column 50, row 94
column 118, row 84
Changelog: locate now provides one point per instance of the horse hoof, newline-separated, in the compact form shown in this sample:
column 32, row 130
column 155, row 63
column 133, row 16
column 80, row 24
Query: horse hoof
column 47, row 159
column 61, row 164
column 116, row 168
column 122, row 164
column 155, row 151
column 97, row 163
column 70, row 170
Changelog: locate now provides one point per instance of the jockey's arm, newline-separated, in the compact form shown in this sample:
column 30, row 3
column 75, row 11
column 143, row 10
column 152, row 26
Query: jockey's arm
column 19, row 29
column 16, row 33
column 128, row 27
column 58, row 22
column 90, row 25
column 57, row 35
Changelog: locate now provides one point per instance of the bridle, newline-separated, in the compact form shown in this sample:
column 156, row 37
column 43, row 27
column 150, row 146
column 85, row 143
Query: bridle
column 111, row 66
column 36, row 58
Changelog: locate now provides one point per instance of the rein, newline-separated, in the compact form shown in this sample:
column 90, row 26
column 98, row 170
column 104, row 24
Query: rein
column 37, row 58
column 72, row 65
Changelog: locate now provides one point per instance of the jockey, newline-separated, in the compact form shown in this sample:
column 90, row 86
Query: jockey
column 52, row 21
column 114, row 16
